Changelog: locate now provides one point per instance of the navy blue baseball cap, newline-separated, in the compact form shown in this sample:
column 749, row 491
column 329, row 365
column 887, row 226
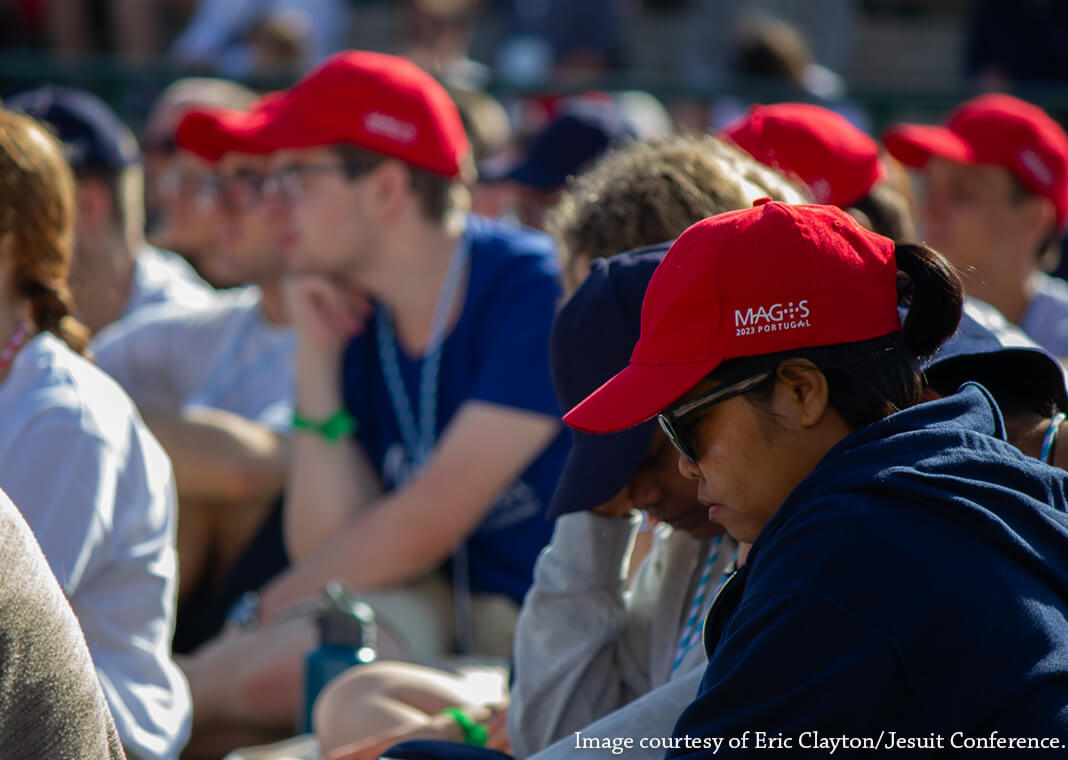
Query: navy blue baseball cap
column 565, row 147
column 592, row 339
column 92, row 134
column 437, row 749
column 992, row 351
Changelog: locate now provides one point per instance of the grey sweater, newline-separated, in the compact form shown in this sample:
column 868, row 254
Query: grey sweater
column 593, row 657
column 51, row 703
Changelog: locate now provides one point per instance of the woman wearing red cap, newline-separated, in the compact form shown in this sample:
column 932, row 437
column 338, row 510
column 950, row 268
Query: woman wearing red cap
column 894, row 548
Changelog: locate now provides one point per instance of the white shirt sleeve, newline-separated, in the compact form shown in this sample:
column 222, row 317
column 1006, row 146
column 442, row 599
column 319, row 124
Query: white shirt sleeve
column 158, row 355
column 106, row 520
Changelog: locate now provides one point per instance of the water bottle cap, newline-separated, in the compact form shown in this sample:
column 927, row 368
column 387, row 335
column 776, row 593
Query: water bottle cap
column 345, row 620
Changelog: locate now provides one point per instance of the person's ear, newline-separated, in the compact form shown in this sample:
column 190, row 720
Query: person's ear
column 391, row 183
column 802, row 394
column 1037, row 219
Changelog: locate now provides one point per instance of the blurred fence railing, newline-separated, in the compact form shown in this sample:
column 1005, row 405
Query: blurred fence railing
column 131, row 89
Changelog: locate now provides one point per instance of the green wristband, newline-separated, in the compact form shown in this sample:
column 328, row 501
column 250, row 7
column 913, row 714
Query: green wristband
column 332, row 429
column 474, row 732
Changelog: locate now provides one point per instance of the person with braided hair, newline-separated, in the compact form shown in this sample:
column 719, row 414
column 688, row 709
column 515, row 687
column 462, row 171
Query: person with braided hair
column 92, row 483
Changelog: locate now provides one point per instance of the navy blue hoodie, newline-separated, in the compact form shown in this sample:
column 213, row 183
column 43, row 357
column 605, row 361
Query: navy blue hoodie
column 916, row 582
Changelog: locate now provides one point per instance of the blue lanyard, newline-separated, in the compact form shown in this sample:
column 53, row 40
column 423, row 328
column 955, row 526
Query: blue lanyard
column 699, row 605
column 418, row 435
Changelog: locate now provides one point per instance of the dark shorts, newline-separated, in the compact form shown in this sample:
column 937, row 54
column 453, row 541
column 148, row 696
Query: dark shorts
column 202, row 615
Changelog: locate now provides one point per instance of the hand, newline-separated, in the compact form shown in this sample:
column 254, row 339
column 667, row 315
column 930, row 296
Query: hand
column 497, row 726
column 324, row 313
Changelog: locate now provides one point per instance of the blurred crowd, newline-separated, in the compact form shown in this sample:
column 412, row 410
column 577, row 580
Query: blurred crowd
column 382, row 334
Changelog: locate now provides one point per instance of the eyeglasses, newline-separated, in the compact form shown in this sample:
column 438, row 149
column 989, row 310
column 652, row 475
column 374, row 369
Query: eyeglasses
column 290, row 183
column 671, row 421
column 180, row 180
column 241, row 191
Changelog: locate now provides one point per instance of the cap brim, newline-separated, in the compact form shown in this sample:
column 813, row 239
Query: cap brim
column 914, row 144
column 635, row 395
column 212, row 134
column 262, row 129
column 597, row 467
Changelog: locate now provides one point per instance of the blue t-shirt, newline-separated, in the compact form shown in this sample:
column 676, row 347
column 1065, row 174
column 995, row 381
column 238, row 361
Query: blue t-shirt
column 497, row 352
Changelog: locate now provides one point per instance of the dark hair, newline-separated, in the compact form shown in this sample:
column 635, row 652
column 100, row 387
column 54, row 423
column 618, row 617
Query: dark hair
column 439, row 197
column 126, row 189
column 873, row 378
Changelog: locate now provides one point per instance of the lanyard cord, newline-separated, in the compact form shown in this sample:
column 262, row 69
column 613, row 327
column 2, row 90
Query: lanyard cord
column 698, row 605
column 18, row 338
column 1049, row 441
column 418, row 437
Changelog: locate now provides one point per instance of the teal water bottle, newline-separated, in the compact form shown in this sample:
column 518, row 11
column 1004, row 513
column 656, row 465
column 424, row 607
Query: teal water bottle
column 347, row 637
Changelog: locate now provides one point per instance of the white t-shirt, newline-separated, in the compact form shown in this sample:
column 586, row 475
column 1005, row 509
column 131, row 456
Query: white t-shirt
column 98, row 491
column 227, row 356
column 1046, row 318
column 164, row 277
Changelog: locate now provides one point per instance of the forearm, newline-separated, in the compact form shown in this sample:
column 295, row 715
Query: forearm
column 328, row 481
column 572, row 661
column 483, row 450
column 221, row 456
column 374, row 549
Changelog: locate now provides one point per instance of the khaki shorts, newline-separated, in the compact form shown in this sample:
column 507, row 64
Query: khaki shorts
column 418, row 623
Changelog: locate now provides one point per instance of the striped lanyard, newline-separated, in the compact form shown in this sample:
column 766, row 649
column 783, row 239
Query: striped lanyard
column 418, row 436
column 699, row 606
column 20, row 336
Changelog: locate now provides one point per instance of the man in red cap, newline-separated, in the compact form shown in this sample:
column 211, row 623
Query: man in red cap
column 225, row 418
column 996, row 175
column 427, row 436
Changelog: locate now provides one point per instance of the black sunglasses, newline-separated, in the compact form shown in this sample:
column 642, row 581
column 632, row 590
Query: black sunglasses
column 671, row 419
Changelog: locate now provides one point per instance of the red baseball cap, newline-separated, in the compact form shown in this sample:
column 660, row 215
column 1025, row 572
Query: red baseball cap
column 838, row 162
column 212, row 132
column 998, row 130
column 759, row 281
column 382, row 103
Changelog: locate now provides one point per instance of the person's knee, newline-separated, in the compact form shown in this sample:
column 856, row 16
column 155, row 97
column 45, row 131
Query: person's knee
column 343, row 698
column 355, row 685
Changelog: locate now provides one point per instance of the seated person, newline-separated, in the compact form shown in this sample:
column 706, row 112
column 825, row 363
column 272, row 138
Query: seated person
column 115, row 272
column 223, row 418
column 177, row 220
column 449, row 375
column 996, row 203
column 657, row 189
column 799, row 436
column 93, row 484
